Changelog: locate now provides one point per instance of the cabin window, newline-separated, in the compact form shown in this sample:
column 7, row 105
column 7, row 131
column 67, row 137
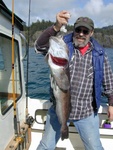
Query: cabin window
column 8, row 78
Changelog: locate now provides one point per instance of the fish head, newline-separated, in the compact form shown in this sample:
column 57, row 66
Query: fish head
column 59, row 72
column 58, row 61
column 58, row 48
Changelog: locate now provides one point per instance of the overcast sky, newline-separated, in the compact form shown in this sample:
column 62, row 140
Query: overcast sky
column 101, row 11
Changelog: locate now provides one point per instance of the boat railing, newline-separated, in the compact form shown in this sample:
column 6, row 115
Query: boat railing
column 40, row 108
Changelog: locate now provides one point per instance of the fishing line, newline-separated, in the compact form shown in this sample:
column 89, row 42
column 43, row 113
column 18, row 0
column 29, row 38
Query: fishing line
column 29, row 119
column 27, row 72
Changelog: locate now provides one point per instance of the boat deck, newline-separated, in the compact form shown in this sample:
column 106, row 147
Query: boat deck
column 73, row 143
column 39, row 108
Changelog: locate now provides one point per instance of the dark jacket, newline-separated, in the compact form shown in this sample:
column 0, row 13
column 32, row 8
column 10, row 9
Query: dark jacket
column 98, row 60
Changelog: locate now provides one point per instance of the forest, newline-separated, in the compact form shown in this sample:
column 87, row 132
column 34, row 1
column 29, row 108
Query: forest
column 103, row 35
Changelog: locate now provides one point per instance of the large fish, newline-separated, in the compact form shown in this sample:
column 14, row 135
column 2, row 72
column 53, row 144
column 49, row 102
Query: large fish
column 58, row 61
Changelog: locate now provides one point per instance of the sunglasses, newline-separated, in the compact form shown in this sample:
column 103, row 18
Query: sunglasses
column 84, row 31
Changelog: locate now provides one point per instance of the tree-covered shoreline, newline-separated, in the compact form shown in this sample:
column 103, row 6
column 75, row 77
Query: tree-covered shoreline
column 103, row 35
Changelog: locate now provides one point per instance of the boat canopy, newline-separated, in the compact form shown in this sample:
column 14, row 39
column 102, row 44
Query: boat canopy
column 8, row 14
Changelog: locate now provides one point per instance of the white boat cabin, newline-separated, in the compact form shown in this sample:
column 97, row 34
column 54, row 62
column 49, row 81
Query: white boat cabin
column 12, row 84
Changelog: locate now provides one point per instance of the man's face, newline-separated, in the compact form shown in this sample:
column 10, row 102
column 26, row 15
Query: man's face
column 81, row 36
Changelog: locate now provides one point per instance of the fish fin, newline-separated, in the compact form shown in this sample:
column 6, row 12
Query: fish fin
column 46, row 57
column 53, row 82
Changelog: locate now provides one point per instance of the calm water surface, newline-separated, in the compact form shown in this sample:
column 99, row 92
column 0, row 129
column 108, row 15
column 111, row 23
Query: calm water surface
column 39, row 83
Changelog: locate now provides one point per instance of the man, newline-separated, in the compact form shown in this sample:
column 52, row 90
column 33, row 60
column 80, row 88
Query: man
column 89, row 70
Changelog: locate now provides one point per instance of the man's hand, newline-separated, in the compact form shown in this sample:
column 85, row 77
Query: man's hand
column 61, row 19
column 110, row 113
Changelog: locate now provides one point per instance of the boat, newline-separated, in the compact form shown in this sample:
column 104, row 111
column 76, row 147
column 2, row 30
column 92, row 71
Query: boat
column 22, row 119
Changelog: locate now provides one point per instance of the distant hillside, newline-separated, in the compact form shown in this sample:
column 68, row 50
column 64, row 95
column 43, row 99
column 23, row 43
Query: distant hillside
column 104, row 39
column 103, row 35
column 108, row 27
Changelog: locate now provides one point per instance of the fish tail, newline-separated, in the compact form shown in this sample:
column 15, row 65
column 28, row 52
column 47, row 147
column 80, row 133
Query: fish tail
column 64, row 132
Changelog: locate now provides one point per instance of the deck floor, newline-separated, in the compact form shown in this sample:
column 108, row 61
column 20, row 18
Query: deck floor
column 73, row 143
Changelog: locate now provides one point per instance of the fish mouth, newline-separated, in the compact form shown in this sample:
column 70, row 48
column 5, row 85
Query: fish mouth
column 59, row 61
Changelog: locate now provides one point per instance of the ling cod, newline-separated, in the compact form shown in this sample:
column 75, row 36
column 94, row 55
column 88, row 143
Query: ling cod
column 58, row 61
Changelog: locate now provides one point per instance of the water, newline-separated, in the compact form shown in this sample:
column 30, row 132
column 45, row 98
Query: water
column 38, row 75
column 39, row 83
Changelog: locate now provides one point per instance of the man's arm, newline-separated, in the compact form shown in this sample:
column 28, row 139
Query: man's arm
column 42, row 43
column 108, row 86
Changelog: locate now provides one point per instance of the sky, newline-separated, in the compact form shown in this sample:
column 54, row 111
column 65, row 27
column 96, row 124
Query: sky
column 101, row 11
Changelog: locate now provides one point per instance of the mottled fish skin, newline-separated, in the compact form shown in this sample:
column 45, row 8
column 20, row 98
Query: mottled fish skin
column 60, row 82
